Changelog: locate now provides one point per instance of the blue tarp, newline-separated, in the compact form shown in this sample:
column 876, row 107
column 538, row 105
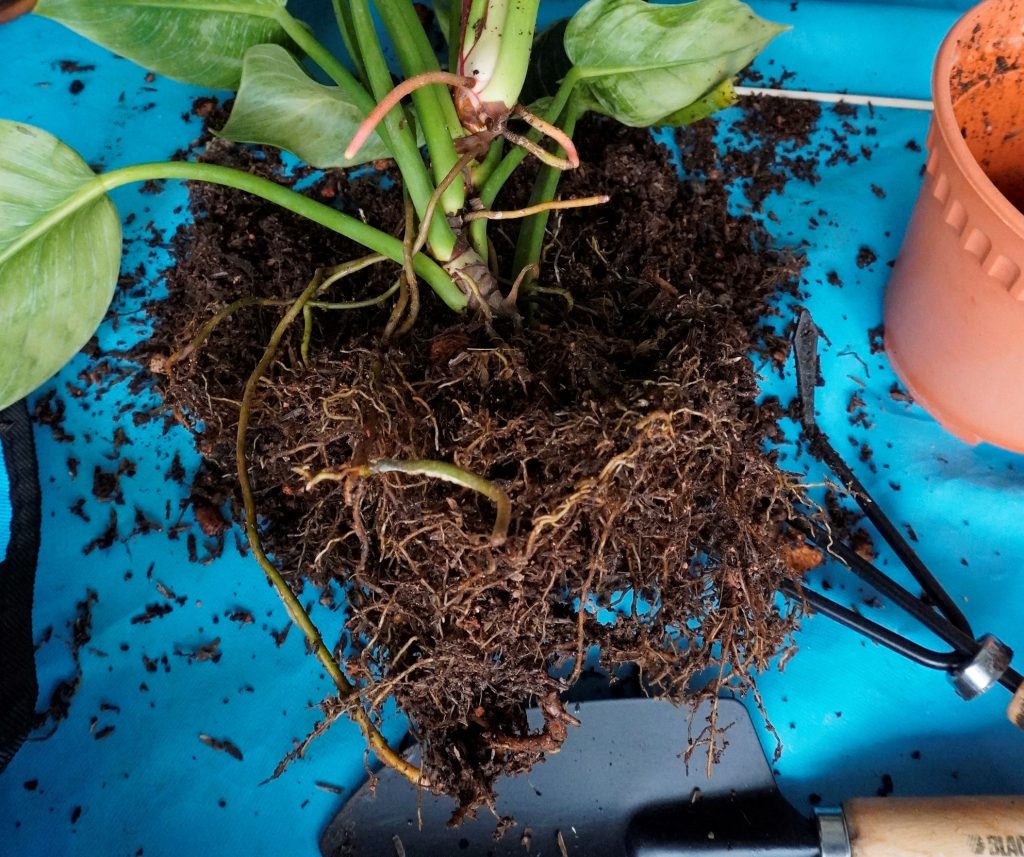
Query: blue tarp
column 850, row 714
column 5, row 511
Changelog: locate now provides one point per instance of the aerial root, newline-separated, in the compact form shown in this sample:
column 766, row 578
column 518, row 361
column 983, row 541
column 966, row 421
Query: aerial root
column 390, row 100
column 571, row 160
column 529, row 211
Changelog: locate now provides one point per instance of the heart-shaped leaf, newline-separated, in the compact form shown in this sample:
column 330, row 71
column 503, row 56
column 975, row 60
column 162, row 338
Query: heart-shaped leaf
column 60, row 251
column 642, row 63
column 278, row 104
column 195, row 41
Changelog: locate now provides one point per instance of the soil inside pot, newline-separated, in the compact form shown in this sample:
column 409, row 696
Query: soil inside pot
column 623, row 423
column 986, row 83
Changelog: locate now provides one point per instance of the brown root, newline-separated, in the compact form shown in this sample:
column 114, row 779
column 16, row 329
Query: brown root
column 296, row 611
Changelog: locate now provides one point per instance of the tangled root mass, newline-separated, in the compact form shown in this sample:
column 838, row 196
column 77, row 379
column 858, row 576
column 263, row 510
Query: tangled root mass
column 647, row 517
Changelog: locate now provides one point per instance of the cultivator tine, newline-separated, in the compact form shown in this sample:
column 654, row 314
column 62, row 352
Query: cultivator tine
column 974, row 665
column 805, row 348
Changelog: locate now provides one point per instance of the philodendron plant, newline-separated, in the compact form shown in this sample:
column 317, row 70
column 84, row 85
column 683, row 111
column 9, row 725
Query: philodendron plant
column 455, row 146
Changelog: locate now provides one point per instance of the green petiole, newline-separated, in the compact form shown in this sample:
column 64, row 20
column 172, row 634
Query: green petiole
column 403, row 143
column 330, row 218
column 514, row 158
column 530, row 242
column 435, row 110
column 343, row 16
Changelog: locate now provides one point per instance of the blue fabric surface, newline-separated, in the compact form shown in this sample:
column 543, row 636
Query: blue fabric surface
column 848, row 712
column 5, row 509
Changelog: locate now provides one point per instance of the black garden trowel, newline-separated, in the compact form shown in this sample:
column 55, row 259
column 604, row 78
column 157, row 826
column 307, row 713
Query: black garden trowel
column 619, row 787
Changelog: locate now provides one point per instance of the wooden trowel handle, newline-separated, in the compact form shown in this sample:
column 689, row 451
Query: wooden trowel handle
column 935, row 827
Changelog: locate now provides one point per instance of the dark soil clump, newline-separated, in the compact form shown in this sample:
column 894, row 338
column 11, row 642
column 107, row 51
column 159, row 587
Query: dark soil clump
column 622, row 423
column 781, row 128
column 866, row 257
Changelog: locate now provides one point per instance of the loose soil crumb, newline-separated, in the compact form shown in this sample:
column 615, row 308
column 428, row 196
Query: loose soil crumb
column 74, row 67
column 623, row 425
column 64, row 692
column 866, row 256
column 222, row 745
column 876, row 339
column 780, row 128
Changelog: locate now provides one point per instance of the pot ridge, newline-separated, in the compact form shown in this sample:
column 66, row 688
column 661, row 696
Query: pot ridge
column 954, row 307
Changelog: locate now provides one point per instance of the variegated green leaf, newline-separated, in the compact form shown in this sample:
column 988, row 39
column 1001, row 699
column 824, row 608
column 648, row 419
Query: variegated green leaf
column 722, row 96
column 60, row 251
column 278, row 104
column 642, row 63
column 195, row 41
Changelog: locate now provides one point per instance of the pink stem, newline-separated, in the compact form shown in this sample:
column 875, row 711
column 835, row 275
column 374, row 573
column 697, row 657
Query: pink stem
column 397, row 94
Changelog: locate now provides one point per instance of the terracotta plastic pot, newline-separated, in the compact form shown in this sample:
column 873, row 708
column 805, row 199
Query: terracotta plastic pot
column 11, row 9
column 954, row 310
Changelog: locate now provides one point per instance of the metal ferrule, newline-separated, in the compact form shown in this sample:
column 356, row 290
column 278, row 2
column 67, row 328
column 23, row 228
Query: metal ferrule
column 835, row 838
column 983, row 670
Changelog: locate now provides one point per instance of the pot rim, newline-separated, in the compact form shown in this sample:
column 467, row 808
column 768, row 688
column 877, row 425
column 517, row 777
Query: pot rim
column 949, row 128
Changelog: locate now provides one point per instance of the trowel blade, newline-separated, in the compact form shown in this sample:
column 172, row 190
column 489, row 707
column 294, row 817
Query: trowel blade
column 623, row 759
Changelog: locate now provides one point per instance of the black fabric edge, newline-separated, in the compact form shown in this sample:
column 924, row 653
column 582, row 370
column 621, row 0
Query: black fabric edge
column 18, row 685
